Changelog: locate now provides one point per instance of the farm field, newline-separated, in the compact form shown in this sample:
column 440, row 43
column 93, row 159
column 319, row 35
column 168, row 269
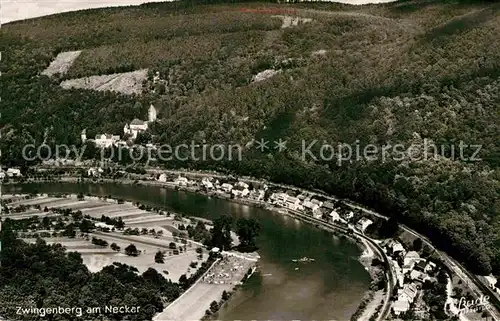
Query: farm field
column 96, row 257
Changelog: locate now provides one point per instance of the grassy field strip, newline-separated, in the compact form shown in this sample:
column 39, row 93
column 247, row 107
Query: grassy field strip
column 20, row 200
column 85, row 205
column 145, row 219
column 156, row 223
column 97, row 208
column 93, row 251
column 34, row 201
column 117, row 208
column 99, row 212
column 30, row 211
column 160, row 242
column 46, row 202
column 11, row 196
column 132, row 215
column 129, row 214
column 62, row 203
column 23, row 215
column 112, row 212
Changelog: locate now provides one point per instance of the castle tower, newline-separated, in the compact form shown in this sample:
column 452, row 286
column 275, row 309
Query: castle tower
column 151, row 113
column 83, row 135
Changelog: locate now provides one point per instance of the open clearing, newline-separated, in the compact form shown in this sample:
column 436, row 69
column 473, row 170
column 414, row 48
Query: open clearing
column 126, row 83
column 62, row 63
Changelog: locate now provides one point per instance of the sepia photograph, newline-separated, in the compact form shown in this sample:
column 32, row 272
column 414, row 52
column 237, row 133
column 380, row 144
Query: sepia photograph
column 257, row 160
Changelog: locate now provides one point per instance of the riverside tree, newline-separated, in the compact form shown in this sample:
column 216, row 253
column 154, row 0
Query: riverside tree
column 247, row 230
column 221, row 233
column 160, row 257
column 131, row 250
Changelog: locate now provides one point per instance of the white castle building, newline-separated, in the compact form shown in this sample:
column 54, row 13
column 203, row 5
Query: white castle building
column 106, row 140
column 101, row 140
column 137, row 126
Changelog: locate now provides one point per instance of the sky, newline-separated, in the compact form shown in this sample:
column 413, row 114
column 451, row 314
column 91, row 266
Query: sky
column 12, row 10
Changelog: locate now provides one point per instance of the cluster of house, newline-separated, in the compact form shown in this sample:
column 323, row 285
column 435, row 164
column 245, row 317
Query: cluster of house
column 311, row 205
column 238, row 189
column 291, row 200
column 10, row 172
column 94, row 171
column 132, row 130
column 410, row 276
column 492, row 283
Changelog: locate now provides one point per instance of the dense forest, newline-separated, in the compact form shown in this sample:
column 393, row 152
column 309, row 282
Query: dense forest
column 401, row 73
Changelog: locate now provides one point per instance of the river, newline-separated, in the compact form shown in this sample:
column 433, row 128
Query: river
column 330, row 288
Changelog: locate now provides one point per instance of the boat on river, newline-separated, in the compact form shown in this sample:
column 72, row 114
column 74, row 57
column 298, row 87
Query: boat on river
column 303, row 259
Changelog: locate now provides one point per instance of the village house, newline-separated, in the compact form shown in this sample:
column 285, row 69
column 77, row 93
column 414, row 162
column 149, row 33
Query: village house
column 2, row 174
column 13, row 172
column 406, row 296
column 396, row 248
column 317, row 202
column 418, row 276
column 226, row 187
column 409, row 261
column 279, row 199
column 430, row 267
column 181, row 181
column 94, row 172
column 257, row 195
column 293, row 203
column 335, row 217
column 363, row 223
column 492, row 281
column 240, row 191
column 162, row 178
column 243, row 184
column 328, row 205
column 207, row 183
column 311, row 207
column 399, row 273
column 420, row 265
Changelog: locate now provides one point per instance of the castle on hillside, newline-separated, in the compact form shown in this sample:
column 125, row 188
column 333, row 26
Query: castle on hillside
column 137, row 126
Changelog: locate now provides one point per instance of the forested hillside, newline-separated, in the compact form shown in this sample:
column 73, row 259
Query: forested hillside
column 399, row 73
